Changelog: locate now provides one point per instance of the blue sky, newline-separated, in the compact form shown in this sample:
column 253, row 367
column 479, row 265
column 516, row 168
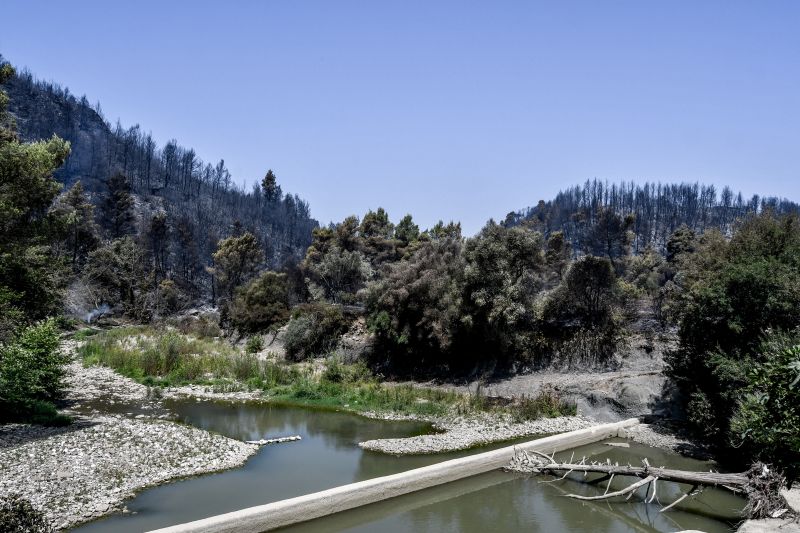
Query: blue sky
column 451, row 110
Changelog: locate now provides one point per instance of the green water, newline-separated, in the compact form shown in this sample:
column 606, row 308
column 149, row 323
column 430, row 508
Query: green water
column 328, row 456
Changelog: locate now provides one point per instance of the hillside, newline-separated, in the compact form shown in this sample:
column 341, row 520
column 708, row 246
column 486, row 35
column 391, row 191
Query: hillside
column 199, row 198
column 651, row 211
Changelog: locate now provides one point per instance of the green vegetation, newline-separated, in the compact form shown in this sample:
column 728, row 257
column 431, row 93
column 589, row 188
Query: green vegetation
column 161, row 358
column 498, row 301
column 254, row 344
column 313, row 330
column 547, row 404
column 31, row 272
column 735, row 301
column 31, row 372
column 766, row 423
column 262, row 305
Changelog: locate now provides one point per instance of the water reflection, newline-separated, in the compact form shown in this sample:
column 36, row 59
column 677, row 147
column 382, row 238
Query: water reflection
column 328, row 456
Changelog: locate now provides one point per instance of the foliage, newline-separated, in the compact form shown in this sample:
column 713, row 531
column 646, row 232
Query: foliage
column 262, row 305
column 118, row 269
column 733, row 293
column 201, row 200
column 767, row 419
column 586, row 297
column 338, row 275
column 504, row 272
column 270, row 188
column 17, row 515
column 31, row 276
column 81, row 232
column 414, row 310
column 314, row 329
column 117, row 207
column 31, row 373
column 545, row 404
column 609, row 235
column 236, row 261
column 254, row 344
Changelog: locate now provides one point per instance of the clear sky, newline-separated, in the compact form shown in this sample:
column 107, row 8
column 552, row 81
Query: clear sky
column 453, row 110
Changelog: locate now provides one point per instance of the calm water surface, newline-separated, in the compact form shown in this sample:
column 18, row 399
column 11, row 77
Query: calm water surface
column 328, row 456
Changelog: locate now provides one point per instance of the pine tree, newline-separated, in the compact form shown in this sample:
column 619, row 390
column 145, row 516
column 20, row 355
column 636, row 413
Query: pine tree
column 118, row 207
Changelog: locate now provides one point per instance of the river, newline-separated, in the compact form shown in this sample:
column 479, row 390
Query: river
column 328, row 456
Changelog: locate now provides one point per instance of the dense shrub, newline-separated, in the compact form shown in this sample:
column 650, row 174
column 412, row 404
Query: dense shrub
column 767, row 421
column 314, row 329
column 31, row 373
column 415, row 309
column 749, row 287
column 261, row 305
column 580, row 318
column 17, row 515
column 254, row 344
column 504, row 271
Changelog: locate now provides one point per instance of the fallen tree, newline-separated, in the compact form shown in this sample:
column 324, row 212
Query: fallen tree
column 760, row 485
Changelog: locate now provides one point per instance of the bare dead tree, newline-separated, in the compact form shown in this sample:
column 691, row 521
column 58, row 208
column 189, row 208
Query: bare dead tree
column 760, row 485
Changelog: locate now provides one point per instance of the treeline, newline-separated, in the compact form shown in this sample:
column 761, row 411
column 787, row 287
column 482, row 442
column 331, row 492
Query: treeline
column 200, row 201
column 652, row 211
column 437, row 303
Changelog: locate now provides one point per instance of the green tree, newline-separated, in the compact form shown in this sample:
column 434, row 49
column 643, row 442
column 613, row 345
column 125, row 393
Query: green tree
column 376, row 224
column 503, row 274
column 609, row 236
column 31, row 275
column 586, row 297
column 117, row 207
column 77, row 213
column 261, row 305
column 406, row 231
column 31, row 374
column 766, row 424
column 557, row 253
column 236, row 261
column 339, row 275
column 314, row 329
column 415, row 309
column 749, row 287
column 270, row 188
column 451, row 230
column 119, row 268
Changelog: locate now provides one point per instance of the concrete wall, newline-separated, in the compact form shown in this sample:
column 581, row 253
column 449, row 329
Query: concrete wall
column 302, row 508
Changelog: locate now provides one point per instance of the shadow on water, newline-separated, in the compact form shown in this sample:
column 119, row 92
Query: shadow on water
column 328, row 456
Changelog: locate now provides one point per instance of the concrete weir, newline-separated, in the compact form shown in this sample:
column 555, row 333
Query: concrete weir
column 302, row 508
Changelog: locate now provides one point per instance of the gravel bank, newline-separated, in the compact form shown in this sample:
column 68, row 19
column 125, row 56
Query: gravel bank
column 84, row 471
column 88, row 469
column 463, row 433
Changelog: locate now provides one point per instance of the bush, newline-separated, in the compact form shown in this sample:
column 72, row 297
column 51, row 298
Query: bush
column 314, row 330
column 546, row 404
column 767, row 421
column 203, row 326
column 31, row 373
column 254, row 344
column 17, row 515
column 745, row 288
column 261, row 305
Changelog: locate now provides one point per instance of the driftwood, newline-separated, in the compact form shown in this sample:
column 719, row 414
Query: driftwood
column 277, row 440
column 759, row 485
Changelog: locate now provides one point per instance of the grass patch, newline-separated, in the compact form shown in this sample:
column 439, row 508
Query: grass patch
column 547, row 404
column 162, row 358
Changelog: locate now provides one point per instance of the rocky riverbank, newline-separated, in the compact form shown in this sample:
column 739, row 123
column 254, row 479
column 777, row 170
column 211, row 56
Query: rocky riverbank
column 461, row 433
column 88, row 469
